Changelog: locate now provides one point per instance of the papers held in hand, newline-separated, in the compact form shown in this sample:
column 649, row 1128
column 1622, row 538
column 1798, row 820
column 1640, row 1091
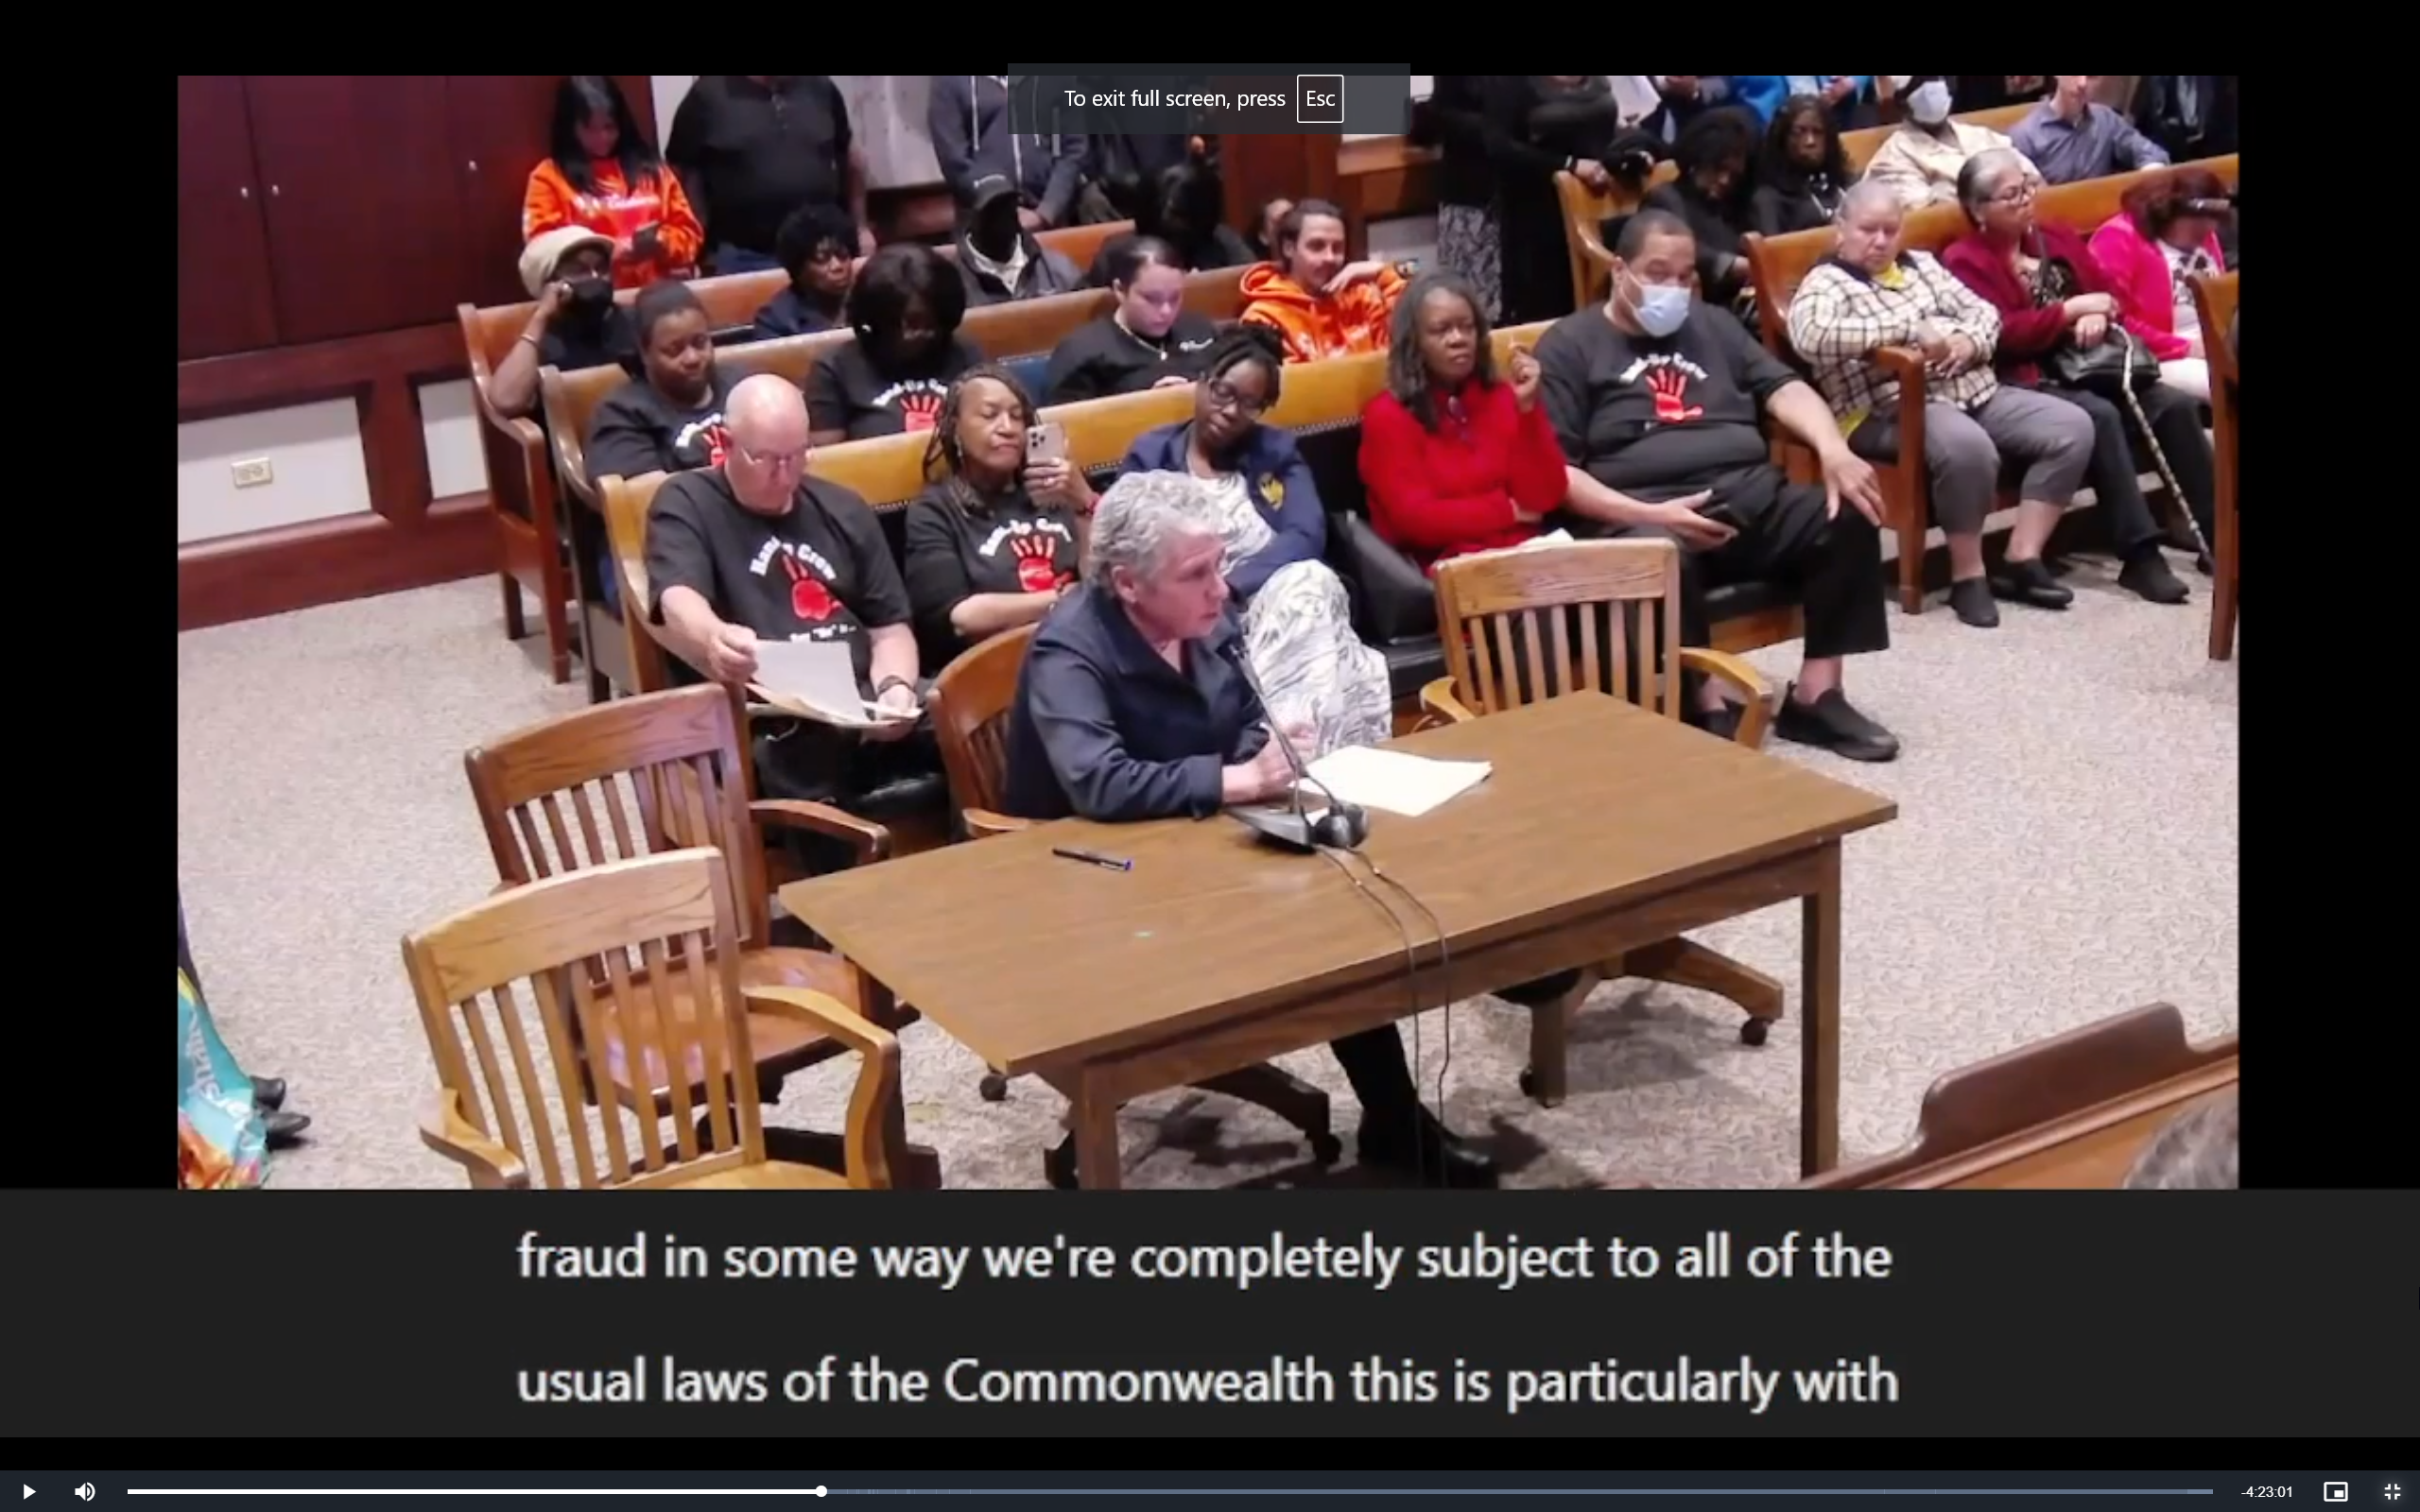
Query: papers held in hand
column 1389, row 780
column 817, row 679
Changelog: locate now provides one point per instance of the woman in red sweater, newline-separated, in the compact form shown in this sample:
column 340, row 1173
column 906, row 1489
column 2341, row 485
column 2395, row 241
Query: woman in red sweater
column 605, row 176
column 1453, row 459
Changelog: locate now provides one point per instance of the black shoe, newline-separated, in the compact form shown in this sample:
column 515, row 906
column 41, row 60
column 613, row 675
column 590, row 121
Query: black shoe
column 1970, row 599
column 2030, row 582
column 285, row 1128
column 1422, row 1149
column 1830, row 723
column 2204, row 565
column 1539, row 993
column 2147, row 576
column 268, row 1094
column 1722, row 723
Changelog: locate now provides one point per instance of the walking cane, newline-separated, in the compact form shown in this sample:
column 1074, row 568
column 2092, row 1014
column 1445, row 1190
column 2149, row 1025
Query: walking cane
column 2159, row 457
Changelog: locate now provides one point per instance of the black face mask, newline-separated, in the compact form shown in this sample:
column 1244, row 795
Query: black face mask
column 592, row 295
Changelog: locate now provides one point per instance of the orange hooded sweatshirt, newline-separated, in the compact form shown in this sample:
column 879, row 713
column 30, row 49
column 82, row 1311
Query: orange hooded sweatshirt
column 1317, row 327
column 616, row 212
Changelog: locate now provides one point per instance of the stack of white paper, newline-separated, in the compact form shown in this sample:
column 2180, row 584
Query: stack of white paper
column 1389, row 780
column 817, row 679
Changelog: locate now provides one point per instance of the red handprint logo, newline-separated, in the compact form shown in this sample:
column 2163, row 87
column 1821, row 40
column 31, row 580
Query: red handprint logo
column 1670, row 386
column 1035, row 572
column 810, row 599
column 717, row 442
column 919, row 411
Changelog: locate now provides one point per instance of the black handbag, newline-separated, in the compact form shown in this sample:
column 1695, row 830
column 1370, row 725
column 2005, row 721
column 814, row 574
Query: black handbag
column 2122, row 362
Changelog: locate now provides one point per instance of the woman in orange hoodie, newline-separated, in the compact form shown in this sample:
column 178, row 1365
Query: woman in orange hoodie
column 1322, row 306
column 605, row 176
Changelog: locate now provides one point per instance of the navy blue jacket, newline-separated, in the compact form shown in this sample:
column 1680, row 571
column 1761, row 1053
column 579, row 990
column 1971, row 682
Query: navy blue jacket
column 1104, row 729
column 1280, row 482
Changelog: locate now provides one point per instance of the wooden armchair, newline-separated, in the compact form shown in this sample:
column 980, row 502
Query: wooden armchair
column 2214, row 296
column 970, row 704
column 657, row 772
column 673, row 913
column 2068, row 1112
column 1510, row 621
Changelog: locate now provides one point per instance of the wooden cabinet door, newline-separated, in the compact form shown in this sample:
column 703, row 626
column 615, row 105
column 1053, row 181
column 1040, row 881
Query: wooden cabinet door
column 225, row 301
column 499, row 125
column 363, row 208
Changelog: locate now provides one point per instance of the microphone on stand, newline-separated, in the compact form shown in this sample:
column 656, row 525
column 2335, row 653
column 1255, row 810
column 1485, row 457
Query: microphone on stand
column 1344, row 826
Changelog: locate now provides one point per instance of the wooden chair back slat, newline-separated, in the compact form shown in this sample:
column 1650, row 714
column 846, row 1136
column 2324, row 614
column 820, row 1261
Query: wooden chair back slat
column 675, row 907
column 1584, row 213
column 1510, row 621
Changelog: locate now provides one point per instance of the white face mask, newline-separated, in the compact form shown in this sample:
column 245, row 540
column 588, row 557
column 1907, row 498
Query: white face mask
column 1661, row 308
column 1929, row 104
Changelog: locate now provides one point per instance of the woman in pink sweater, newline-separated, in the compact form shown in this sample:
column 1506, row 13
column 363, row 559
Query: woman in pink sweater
column 2166, row 232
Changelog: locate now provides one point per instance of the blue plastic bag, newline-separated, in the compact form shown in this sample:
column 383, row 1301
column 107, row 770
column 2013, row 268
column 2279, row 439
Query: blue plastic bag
column 223, row 1142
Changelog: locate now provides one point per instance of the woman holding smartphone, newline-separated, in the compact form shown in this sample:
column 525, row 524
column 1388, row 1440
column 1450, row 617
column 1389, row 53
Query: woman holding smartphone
column 997, row 538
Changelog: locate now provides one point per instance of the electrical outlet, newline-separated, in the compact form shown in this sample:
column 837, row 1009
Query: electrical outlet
column 254, row 471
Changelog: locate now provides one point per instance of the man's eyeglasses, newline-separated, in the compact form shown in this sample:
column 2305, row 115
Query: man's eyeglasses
column 772, row 460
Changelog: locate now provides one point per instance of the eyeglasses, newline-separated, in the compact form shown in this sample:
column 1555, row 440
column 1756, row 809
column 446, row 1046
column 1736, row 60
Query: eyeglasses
column 773, row 459
column 1223, row 397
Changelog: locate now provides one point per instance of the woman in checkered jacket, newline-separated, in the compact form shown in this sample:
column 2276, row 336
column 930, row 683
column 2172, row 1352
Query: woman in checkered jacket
column 1869, row 296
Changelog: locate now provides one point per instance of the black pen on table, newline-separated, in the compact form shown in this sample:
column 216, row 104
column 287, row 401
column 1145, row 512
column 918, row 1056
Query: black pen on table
column 1093, row 857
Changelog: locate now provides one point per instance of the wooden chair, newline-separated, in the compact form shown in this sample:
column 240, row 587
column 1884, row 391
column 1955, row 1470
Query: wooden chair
column 1585, row 212
column 971, row 702
column 672, row 912
column 2094, row 1094
column 2214, row 296
column 1510, row 621
column 562, row 796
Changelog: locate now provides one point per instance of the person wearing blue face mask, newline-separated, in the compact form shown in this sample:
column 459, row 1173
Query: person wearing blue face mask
column 1655, row 401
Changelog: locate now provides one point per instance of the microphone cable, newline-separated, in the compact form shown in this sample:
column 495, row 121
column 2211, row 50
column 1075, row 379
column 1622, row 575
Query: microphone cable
column 1444, row 963
column 1411, row 990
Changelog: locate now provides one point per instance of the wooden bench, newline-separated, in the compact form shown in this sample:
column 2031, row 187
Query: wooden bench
column 521, row 486
column 1860, row 146
column 1020, row 328
column 2214, row 296
column 1782, row 263
column 1584, row 213
column 2070, row 1112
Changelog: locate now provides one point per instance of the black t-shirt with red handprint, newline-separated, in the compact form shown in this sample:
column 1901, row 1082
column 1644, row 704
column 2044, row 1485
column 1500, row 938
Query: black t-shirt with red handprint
column 1015, row 547
column 845, row 391
column 822, row 571
column 1658, row 419
column 636, row 430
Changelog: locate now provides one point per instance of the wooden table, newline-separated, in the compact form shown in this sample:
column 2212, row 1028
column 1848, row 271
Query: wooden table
column 1602, row 828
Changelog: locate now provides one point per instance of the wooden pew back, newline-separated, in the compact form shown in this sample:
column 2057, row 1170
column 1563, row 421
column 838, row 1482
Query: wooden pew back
column 731, row 300
column 1585, row 212
column 1782, row 263
column 1860, row 146
column 2073, row 1110
column 1018, row 329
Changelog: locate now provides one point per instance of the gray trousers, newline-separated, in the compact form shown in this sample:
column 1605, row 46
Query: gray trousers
column 1966, row 452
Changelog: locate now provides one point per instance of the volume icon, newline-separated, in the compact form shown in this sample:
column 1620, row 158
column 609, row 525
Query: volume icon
column 84, row 1492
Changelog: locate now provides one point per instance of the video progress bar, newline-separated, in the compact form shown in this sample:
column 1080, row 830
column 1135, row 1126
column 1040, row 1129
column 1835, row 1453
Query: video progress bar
column 819, row 1490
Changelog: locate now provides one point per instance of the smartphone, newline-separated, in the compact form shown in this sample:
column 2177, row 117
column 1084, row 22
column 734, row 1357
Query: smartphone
column 1046, row 442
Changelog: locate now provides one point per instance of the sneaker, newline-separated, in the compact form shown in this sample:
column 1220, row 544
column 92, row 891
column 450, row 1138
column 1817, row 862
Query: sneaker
column 2147, row 576
column 1970, row 599
column 1722, row 723
column 1831, row 724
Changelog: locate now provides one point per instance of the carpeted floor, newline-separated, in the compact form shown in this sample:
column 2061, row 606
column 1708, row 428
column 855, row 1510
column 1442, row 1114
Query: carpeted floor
column 2066, row 850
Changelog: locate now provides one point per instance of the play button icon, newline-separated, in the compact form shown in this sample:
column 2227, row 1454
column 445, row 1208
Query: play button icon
column 29, row 1490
